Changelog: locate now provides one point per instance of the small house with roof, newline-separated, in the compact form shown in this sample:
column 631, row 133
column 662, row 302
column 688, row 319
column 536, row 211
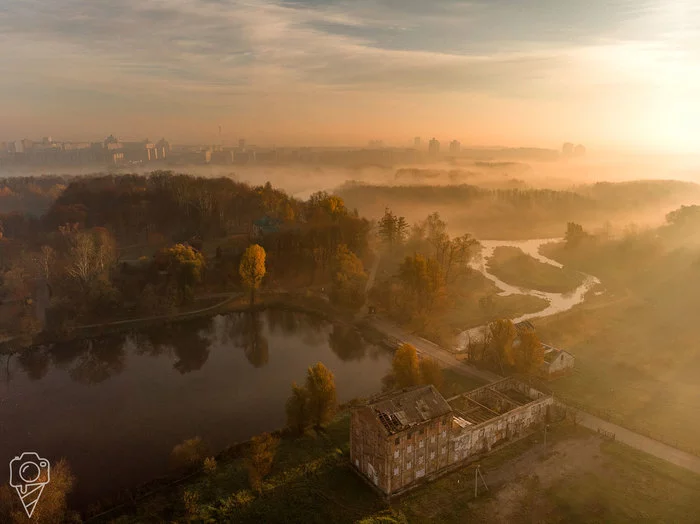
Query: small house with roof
column 556, row 361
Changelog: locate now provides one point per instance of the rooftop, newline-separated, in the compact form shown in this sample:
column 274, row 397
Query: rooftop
column 409, row 407
column 551, row 353
column 491, row 401
column 525, row 325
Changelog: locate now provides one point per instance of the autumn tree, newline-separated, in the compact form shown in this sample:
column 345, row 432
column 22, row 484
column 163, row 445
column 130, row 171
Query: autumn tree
column 189, row 453
column 297, row 408
column 392, row 229
column 405, row 366
column 430, row 372
column 423, row 284
column 452, row 255
column 52, row 506
column 502, row 334
column 529, row 352
column 320, row 384
column 186, row 265
column 90, row 256
column 349, row 279
column 44, row 261
column 322, row 207
column 260, row 458
column 252, row 269
column 574, row 234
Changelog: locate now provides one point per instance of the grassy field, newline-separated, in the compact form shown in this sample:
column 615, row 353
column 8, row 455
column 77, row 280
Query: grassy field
column 637, row 351
column 514, row 267
column 631, row 486
column 580, row 479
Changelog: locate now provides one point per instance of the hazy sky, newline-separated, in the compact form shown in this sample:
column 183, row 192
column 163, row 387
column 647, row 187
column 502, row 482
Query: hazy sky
column 521, row 72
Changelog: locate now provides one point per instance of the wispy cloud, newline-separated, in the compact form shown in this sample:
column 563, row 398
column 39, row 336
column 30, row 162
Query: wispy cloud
column 151, row 54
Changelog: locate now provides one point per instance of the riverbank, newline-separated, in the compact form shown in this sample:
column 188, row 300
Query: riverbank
column 515, row 267
column 306, row 302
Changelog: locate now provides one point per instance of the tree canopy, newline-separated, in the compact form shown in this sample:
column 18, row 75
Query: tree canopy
column 260, row 458
column 405, row 366
column 252, row 268
column 320, row 384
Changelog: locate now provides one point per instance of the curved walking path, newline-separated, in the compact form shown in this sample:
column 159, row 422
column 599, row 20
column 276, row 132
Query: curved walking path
column 426, row 348
column 174, row 316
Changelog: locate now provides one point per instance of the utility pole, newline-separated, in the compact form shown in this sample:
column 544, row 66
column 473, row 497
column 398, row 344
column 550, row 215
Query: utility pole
column 477, row 474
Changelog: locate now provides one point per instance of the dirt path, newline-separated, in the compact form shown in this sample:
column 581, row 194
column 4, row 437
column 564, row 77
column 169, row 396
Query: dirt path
column 642, row 443
column 372, row 274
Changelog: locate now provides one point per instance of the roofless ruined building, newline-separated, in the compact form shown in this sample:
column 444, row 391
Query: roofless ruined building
column 401, row 439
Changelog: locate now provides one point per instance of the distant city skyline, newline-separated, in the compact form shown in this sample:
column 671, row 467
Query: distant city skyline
column 615, row 74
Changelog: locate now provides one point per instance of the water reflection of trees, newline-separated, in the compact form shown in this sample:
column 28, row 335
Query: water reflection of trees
column 92, row 361
column 35, row 362
column 245, row 330
column 89, row 361
column 347, row 343
column 311, row 328
column 188, row 342
column 255, row 343
column 103, row 359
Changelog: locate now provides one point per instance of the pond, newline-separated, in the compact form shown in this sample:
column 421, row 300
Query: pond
column 115, row 406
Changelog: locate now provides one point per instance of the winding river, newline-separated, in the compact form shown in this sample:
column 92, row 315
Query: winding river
column 557, row 302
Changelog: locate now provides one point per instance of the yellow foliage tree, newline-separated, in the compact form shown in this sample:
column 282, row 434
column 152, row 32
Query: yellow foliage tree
column 262, row 454
column 52, row 506
column 252, row 269
column 405, row 366
column 502, row 334
column 320, row 384
column 431, row 373
column 529, row 353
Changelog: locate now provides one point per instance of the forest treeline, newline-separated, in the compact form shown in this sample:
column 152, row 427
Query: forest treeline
column 127, row 246
column 522, row 212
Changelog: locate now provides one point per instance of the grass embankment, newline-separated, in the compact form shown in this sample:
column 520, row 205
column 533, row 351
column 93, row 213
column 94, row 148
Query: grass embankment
column 581, row 479
column 311, row 481
column 636, row 348
column 516, row 268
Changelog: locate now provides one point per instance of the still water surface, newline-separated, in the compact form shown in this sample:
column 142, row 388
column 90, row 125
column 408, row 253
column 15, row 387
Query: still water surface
column 116, row 406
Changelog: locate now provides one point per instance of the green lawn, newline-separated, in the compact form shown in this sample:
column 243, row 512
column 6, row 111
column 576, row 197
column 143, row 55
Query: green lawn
column 514, row 267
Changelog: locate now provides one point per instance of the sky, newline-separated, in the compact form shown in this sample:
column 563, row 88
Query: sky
column 609, row 74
